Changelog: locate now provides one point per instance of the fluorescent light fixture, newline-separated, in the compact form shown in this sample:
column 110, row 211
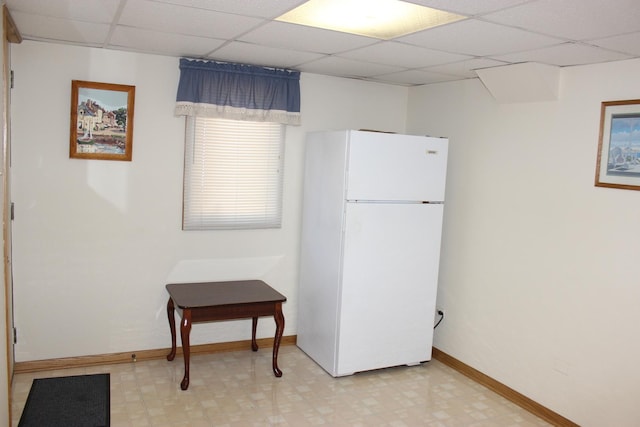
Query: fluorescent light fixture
column 382, row 19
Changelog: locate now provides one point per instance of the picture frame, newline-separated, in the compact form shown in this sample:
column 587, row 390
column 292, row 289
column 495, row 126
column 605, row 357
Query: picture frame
column 101, row 121
column 618, row 162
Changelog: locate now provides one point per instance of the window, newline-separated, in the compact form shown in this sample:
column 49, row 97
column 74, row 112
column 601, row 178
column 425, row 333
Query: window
column 233, row 174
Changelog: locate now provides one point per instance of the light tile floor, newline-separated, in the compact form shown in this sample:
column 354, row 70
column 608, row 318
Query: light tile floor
column 239, row 389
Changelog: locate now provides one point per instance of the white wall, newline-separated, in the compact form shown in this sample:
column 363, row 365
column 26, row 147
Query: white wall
column 96, row 241
column 539, row 276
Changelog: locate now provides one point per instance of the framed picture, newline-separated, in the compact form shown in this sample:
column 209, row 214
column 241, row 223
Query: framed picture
column 101, row 121
column 618, row 164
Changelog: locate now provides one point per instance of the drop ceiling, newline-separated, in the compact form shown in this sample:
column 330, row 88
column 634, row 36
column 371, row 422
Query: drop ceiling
column 496, row 33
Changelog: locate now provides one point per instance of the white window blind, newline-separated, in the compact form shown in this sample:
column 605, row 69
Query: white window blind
column 233, row 174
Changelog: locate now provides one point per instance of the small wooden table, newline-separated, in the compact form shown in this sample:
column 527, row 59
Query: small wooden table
column 205, row 302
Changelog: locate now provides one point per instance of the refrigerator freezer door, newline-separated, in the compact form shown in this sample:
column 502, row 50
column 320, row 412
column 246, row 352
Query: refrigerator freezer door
column 390, row 274
column 396, row 167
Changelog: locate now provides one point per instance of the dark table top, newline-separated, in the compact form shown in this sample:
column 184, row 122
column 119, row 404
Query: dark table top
column 211, row 294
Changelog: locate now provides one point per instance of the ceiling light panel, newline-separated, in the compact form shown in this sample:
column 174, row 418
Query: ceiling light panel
column 382, row 19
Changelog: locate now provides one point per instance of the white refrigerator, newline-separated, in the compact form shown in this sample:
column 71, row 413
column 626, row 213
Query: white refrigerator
column 370, row 249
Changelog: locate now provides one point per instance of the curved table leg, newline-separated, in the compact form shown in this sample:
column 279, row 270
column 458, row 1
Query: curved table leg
column 185, row 330
column 254, row 327
column 172, row 327
column 279, row 318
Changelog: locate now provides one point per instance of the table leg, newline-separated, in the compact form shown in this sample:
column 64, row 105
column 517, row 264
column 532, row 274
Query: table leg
column 172, row 327
column 185, row 330
column 279, row 318
column 254, row 327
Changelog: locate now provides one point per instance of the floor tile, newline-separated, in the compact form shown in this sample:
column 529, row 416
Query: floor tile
column 239, row 389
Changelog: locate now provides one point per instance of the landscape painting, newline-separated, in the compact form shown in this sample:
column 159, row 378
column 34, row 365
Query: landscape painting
column 101, row 121
column 618, row 164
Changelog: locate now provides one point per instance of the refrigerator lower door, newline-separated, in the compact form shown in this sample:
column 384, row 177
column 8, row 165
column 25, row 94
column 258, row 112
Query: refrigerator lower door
column 389, row 284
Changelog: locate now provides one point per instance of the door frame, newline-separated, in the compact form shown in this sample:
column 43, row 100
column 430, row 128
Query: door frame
column 10, row 35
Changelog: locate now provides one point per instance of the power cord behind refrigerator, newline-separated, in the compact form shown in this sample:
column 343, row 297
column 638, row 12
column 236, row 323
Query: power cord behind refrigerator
column 441, row 314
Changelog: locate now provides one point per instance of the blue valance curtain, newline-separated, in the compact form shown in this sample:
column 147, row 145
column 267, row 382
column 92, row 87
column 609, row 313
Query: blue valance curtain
column 238, row 92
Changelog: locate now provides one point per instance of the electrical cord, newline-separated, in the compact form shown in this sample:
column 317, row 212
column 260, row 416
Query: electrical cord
column 441, row 314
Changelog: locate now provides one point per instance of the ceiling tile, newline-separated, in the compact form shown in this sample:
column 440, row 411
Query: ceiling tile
column 162, row 43
column 565, row 54
column 589, row 19
column 300, row 37
column 497, row 32
column 249, row 53
column 468, row 7
column 466, row 68
column 170, row 18
column 415, row 77
column 473, row 37
column 628, row 43
column 335, row 66
column 402, row 55
column 262, row 9
column 101, row 11
column 61, row 30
